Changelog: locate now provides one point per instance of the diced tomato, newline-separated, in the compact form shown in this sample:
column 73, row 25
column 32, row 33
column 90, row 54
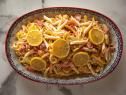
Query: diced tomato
column 29, row 68
column 39, row 22
column 78, row 17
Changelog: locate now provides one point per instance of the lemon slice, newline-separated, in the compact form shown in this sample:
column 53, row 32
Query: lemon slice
column 96, row 36
column 34, row 38
column 60, row 48
column 38, row 64
column 80, row 58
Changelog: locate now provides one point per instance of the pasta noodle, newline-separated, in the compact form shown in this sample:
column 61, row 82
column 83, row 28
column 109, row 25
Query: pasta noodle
column 47, row 19
column 53, row 59
column 45, row 55
column 46, row 72
column 62, row 25
column 51, row 37
column 78, row 42
column 91, row 69
column 87, row 29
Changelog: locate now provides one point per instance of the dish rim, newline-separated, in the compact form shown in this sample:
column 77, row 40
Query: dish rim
column 111, row 69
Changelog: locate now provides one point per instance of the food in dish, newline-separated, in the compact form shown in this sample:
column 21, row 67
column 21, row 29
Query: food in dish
column 64, row 46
